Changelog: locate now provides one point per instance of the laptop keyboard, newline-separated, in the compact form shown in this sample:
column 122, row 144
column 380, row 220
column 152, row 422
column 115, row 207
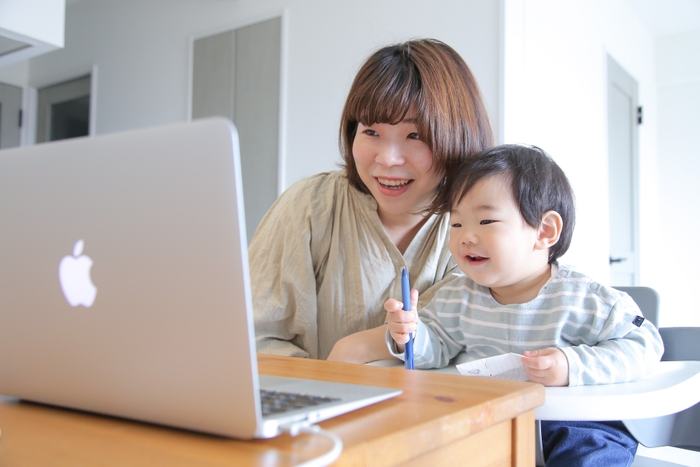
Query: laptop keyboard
column 274, row 402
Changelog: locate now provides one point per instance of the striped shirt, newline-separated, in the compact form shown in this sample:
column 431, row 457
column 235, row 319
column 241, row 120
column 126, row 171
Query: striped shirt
column 591, row 323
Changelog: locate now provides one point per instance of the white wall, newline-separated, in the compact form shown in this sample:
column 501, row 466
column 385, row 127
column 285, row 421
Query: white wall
column 17, row 74
column 142, row 54
column 678, row 78
column 554, row 85
column 556, row 98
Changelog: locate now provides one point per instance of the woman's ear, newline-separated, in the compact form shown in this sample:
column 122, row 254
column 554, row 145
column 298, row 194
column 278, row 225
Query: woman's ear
column 549, row 231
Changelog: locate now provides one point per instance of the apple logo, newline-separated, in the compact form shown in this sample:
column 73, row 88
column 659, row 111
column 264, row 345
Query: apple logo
column 74, row 276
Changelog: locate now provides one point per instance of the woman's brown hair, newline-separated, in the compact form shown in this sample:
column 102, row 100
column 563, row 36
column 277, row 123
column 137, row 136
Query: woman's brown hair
column 430, row 80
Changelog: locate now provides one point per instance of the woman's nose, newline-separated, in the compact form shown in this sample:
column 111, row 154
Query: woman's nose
column 389, row 154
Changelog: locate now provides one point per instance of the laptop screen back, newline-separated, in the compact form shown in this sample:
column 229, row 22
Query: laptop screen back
column 121, row 259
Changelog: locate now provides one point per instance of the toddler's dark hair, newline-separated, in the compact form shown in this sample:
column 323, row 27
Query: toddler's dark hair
column 538, row 185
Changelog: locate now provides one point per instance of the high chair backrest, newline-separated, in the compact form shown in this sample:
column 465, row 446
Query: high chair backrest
column 678, row 430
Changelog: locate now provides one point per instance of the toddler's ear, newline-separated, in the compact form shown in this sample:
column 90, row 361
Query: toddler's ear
column 549, row 231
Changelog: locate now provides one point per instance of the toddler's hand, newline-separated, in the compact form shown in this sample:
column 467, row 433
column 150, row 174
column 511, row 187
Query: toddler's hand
column 401, row 322
column 547, row 366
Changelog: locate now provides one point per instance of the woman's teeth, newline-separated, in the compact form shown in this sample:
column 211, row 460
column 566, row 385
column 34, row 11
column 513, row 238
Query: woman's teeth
column 393, row 184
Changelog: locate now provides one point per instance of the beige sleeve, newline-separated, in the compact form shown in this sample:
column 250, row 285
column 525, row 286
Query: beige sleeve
column 282, row 275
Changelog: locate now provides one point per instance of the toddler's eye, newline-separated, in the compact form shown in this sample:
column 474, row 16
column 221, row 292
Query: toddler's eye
column 370, row 132
column 414, row 136
column 486, row 222
column 456, row 225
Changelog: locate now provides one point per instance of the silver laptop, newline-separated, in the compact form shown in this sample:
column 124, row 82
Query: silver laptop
column 124, row 285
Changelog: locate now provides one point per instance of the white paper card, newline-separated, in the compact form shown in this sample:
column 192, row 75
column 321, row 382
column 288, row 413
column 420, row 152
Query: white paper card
column 506, row 366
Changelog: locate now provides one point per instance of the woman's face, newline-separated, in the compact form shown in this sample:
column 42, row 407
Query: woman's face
column 395, row 165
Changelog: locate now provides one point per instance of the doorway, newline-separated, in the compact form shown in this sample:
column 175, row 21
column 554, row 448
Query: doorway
column 10, row 116
column 623, row 175
column 63, row 110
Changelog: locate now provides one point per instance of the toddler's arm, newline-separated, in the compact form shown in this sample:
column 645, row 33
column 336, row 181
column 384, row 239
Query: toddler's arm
column 628, row 348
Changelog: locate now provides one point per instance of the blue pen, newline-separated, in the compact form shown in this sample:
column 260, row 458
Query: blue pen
column 406, row 298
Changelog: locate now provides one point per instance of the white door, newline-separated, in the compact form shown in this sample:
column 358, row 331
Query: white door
column 623, row 173
column 10, row 115
column 236, row 74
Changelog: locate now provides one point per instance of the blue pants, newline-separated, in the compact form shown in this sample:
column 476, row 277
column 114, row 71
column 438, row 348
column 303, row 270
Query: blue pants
column 587, row 444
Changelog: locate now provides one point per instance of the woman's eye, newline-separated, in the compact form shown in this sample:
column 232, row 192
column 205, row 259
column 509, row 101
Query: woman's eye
column 486, row 222
column 370, row 132
column 414, row 136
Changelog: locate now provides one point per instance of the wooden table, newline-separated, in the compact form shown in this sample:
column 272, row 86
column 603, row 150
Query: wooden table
column 440, row 419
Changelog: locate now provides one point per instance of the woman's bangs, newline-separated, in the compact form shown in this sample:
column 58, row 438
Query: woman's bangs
column 391, row 100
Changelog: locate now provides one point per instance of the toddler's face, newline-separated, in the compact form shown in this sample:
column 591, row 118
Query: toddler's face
column 490, row 240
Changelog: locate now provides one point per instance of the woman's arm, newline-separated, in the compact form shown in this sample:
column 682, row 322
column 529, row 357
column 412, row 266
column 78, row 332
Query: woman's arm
column 282, row 276
column 362, row 347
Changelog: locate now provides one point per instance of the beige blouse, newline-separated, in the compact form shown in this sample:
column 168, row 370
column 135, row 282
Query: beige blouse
column 322, row 266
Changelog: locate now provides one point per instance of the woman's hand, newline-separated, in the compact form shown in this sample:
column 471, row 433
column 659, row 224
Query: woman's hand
column 401, row 322
column 547, row 366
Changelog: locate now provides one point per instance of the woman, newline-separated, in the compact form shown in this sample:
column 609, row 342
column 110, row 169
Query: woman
column 331, row 249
